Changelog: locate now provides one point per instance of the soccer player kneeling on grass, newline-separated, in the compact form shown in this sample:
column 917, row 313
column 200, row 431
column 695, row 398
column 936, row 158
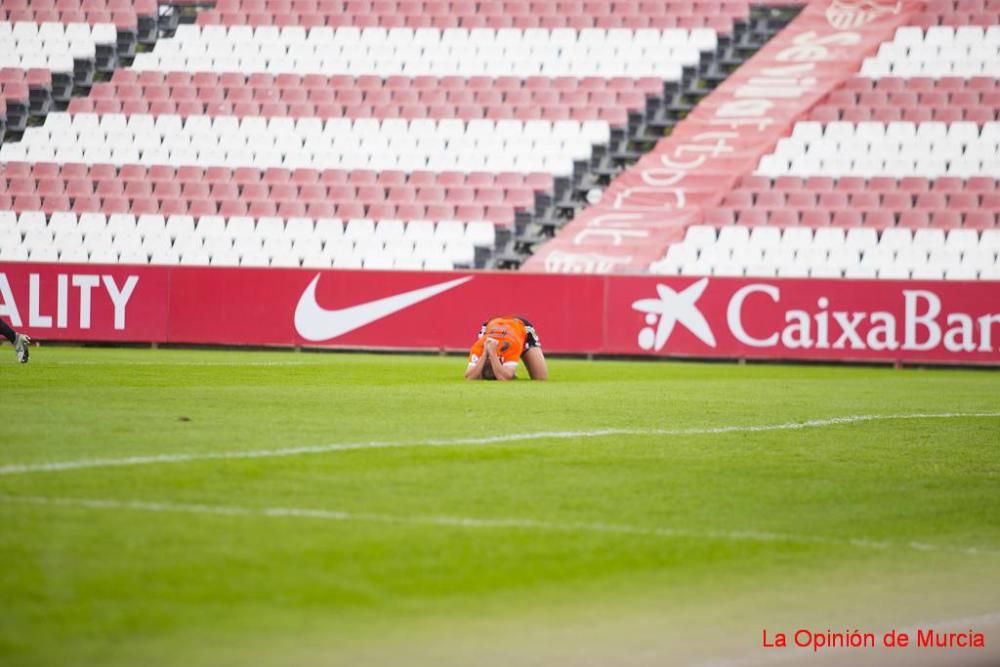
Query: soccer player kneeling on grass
column 502, row 341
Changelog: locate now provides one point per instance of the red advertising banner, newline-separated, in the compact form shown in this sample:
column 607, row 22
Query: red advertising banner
column 375, row 309
column 651, row 204
column 86, row 302
column 837, row 320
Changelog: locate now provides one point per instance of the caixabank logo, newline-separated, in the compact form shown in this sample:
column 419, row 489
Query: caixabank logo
column 669, row 309
column 808, row 316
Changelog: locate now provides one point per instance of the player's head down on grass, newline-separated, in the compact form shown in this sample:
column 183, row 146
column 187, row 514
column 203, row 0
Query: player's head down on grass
column 502, row 342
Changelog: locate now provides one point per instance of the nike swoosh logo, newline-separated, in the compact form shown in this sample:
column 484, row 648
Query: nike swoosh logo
column 315, row 323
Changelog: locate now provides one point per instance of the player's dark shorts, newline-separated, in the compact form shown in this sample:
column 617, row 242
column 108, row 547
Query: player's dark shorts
column 532, row 336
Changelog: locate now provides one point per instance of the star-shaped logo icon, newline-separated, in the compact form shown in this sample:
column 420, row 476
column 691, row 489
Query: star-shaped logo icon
column 673, row 307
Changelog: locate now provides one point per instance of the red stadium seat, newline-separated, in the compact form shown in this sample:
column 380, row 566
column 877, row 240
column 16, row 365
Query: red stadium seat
column 783, row 218
column 880, row 219
column 313, row 192
column 815, row 218
column 914, row 219
column 979, row 220
column 897, row 201
column 914, row 184
column 981, row 184
column 948, row 184
column 864, row 200
column 317, row 210
column 946, row 219
column 720, row 217
column 87, row 204
column 348, row 210
column 752, row 217
column 145, row 206
column 54, row 203
column 802, row 199
column 846, row 218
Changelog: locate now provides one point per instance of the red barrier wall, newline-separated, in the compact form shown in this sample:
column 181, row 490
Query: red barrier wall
column 914, row 321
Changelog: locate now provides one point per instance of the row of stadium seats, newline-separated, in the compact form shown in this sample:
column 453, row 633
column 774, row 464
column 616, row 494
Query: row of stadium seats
column 525, row 112
column 236, row 39
column 364, row 144
column 952, row 17
column 900, row 131
column 917, row 99
column 232, row 81
column 243, row 241
column 51, row 188
column 242, row 176
column 880, row 202
column 422, row 52
column 898, row 254
column 326, row 104
column 194, row 191
column 434, row 257
column 167, row 127
column 967, row 51
column 495, row 214
column 465, row 8
column 718, row 16
column 980, row 163
column 52, row 43
column 961, row 7
column 944, row 36
column 897, row 149
column 874, row 217
column 478, row 233
column 879, row 184
column 70, row 11
column 488, row 97
column 920, row 85
column 123, row 20
column 893, row 201
column 218, row 40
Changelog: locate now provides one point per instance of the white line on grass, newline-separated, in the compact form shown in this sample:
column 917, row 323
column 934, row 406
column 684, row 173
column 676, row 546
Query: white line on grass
column 79, row 464
column 489, row 523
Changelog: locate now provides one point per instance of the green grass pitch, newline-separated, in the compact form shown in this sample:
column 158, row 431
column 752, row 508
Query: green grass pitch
column 433, row 521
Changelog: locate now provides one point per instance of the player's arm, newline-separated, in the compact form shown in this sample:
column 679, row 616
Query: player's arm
column 500, row 370
column 534, row 361
column 474, row 371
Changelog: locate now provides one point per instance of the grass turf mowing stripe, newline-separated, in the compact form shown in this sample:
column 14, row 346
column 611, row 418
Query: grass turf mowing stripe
column 486, row 523
column 55, row 466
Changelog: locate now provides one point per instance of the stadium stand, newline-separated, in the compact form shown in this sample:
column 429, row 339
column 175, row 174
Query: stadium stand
column 895, row 175
column 42, row 63
column 437, row 135
column 394, row 134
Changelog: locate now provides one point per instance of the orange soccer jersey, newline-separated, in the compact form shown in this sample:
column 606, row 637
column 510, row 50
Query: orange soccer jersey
column 511, row 335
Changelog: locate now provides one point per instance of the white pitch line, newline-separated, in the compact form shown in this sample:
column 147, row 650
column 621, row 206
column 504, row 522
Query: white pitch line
column 487, row 523
column 79, row 464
